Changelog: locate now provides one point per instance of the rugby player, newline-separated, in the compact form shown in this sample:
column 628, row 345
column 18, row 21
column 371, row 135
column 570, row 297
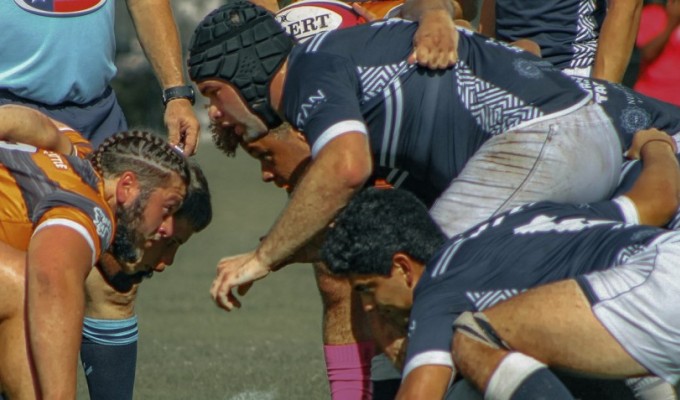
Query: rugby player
column 64, row 211
column 396, row 176
column 412, row 278
column 499, row 96
column 108, row 351
column 582, row 38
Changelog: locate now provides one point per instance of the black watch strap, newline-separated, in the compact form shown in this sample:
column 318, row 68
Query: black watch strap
column 179, row 92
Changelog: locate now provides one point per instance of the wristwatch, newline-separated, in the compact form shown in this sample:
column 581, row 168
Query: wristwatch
column 179, row 92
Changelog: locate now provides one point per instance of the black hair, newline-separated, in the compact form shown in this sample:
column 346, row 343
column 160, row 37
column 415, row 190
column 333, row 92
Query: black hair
column 197, row 207
column 376, row 224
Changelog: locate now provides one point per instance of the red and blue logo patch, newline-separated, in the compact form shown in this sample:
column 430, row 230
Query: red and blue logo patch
column 60, row 8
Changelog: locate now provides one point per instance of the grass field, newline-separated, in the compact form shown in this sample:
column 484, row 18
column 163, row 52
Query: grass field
column 189, row 349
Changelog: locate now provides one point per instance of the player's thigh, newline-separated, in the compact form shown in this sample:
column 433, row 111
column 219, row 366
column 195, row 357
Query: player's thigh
column 12, row 279
column 334, row 290
column 344, row 320
column 636, row 301
column 555, row 324
column 15, row 375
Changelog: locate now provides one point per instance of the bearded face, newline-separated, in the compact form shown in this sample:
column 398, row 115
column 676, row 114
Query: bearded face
column 128, row 242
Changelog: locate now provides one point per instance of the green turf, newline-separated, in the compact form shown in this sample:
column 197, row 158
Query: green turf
column 190, row 349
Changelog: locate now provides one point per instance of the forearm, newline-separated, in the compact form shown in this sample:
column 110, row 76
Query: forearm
column 426, row 382
column 54, row 307
column 55, row 315
column 21, row 124
column 414, row 9
column 615, row 44
column 157, row 33
column 656, row 191
column 339, row 171
column 313, row 205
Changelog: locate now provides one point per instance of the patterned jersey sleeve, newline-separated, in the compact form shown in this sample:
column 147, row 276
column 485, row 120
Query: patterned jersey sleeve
column 321, row 96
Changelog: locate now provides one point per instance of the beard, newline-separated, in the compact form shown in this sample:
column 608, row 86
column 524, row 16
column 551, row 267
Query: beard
column 225, row 138
column 128, row 241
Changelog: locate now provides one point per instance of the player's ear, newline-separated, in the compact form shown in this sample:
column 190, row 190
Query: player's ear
column 298, row 135
column 404, row 265
column 127, row 187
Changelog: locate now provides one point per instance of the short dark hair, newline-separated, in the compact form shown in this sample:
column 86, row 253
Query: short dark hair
column 197, row 207
column 376, row 224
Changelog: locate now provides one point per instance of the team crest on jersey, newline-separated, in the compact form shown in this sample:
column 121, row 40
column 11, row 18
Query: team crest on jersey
column 634, row 118
column 103, row 225
column 527, row 68
column 60, row 8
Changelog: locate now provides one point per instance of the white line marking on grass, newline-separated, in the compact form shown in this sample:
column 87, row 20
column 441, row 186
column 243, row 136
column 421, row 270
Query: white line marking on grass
column 254, row 395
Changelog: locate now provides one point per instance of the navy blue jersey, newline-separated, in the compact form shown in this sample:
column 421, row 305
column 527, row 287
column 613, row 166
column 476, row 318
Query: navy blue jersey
column 566, row 30
column 525, row 247
column 631, row 111
column 423, row 123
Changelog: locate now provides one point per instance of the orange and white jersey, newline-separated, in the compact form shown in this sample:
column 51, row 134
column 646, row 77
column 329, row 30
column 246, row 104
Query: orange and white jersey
column 40, row 188
column 82, row 147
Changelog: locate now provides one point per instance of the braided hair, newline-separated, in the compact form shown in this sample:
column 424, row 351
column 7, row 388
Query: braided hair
column 150, row 157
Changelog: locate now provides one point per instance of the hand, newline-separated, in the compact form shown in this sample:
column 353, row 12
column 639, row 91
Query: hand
column 435, row 44
column 183, row 127
column 646, row 136
column 364, row 12
column 238, row 272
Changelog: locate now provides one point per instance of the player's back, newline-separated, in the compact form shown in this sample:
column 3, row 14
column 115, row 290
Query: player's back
column 38, row 185
column 426, row 122
column 566, row 30
column 542, row 242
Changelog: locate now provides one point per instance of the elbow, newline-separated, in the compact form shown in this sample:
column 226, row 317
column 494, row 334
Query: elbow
column 667, row 204
column 660, row 209
column 353, row 170
column 667, row 208
column 355, row 175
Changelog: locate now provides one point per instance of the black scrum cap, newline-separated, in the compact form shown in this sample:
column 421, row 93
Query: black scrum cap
column 243, row 44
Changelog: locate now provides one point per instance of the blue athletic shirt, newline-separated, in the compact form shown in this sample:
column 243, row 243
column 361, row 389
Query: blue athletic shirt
column 528, row 246
column 421, row 123
column 57, row 51
column 566, row 30
column 631, row 111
